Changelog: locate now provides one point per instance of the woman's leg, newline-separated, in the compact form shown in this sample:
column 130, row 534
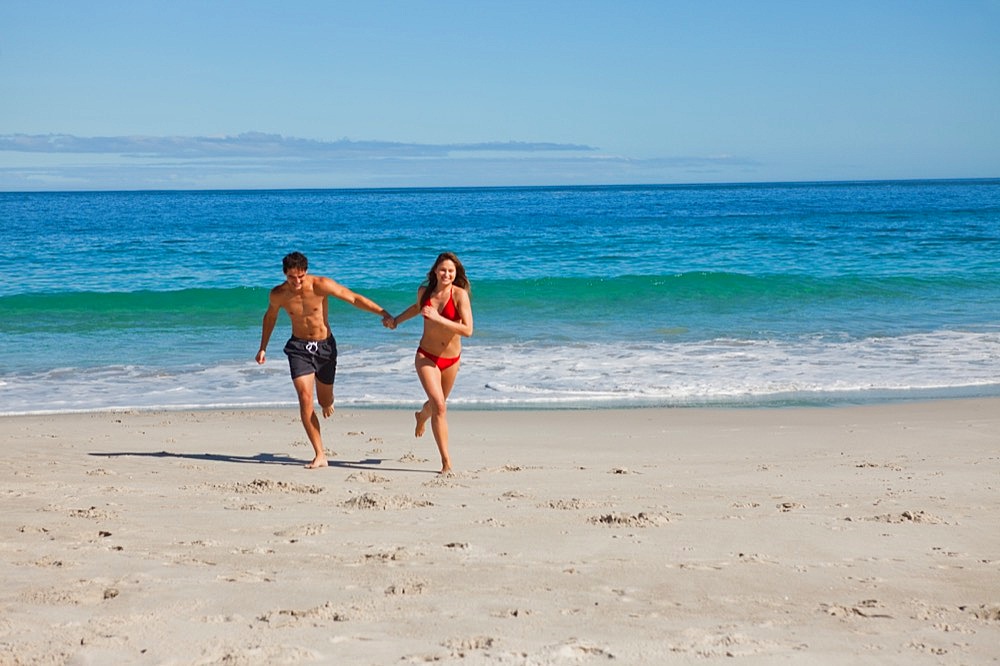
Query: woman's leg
column 437, row 385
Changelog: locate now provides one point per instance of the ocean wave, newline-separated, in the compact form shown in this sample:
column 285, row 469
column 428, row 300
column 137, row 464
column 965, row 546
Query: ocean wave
column 722, row 371
column 559, row 301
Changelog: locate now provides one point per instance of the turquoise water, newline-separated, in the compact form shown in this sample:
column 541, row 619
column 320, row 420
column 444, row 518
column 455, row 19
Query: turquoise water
column 762, row 294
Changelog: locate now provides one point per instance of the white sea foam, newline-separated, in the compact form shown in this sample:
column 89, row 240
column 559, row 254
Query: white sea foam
column 715, row 372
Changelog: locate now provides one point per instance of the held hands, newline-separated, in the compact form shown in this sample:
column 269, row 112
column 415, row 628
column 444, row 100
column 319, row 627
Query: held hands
column 391, row 322
column 430, row 312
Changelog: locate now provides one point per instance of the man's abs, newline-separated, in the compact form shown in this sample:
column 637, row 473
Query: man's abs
column 308, row 320
column 304, row 331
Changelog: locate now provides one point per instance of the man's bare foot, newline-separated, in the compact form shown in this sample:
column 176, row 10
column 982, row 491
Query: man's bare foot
column 318, row 462
column 421, row 424
column 327, row 411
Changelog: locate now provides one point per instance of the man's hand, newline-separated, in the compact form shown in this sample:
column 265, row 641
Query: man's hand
column 260, row 357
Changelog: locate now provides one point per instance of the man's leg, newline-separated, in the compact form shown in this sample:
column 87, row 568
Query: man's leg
column 304, row 389
column 324, row 393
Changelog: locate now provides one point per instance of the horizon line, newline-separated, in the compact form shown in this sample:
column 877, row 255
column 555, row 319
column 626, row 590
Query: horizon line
column 862, row 181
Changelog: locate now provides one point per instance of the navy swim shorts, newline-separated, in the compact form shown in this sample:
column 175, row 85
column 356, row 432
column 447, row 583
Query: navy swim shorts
column 307, row 357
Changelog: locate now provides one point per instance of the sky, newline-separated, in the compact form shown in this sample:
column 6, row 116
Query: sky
column 254, row 94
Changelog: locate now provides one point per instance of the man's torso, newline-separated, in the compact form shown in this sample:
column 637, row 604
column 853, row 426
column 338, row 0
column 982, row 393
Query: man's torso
column 306, row 309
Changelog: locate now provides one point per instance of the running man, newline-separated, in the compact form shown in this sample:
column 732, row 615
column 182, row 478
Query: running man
column 312, row 350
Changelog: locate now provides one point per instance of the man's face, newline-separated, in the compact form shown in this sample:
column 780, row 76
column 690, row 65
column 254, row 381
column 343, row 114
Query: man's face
column 295, row 278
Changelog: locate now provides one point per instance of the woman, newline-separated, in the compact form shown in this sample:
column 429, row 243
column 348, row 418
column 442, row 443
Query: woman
column 445, row 303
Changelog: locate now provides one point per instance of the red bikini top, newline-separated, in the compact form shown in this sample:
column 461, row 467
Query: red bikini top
column 449, row 311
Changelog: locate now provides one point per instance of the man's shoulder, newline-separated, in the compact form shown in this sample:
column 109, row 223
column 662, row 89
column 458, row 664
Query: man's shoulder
column 280, row 293
column 323, row 285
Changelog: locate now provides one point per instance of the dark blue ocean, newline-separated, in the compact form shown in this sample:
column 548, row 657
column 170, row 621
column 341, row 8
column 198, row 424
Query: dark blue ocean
column 584, row 297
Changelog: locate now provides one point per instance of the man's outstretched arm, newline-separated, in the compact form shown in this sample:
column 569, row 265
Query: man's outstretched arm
column 326, row 286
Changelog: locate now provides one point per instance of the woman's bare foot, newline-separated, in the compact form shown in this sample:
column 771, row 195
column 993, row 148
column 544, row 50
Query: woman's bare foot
column 318, row 462
column 445, row 471
column 421, row 424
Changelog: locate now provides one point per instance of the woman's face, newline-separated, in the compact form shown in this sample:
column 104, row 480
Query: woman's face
column 445, row 272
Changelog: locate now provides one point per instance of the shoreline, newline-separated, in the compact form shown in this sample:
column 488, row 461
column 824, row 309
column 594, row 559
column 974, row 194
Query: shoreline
column 649, row 535
column 749, row 404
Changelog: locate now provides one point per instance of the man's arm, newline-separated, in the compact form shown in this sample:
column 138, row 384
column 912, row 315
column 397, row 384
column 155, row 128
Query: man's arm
column 327, row 287
column 267, row 327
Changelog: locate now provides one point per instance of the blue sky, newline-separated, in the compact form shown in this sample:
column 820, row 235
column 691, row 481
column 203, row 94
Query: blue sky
column 145, row 94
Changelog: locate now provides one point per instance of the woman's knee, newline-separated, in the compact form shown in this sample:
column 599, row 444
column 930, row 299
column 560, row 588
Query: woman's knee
column 438, row 407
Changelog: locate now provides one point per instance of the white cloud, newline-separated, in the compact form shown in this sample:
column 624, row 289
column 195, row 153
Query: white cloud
column 255, row 160
column 258, row 144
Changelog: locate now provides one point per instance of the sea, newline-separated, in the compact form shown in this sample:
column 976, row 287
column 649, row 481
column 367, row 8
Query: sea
column 741, row 295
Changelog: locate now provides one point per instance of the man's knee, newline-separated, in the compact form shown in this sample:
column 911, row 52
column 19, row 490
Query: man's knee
column 305, row 397
column 324, row 394
column 306, row 409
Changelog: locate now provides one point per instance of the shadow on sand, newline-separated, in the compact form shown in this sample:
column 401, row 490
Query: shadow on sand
column 263, row 459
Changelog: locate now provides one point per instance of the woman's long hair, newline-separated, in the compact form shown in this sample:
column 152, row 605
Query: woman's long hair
column 461, row 279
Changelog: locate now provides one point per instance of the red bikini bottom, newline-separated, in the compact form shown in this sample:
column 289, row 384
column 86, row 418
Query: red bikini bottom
column 441, row 362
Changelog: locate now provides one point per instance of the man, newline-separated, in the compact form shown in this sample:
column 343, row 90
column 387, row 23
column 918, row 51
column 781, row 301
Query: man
column 312, row 350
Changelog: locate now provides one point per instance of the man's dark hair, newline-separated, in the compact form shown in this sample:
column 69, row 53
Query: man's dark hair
column 294, row 260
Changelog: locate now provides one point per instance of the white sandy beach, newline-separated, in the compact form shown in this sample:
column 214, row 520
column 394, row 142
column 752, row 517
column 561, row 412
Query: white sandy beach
column 855, row 535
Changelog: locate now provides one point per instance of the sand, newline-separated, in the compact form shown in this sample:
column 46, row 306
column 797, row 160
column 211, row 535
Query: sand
column 852, row 535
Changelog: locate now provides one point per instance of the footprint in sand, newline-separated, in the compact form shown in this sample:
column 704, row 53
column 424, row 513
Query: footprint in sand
column 446, row 481
column 372, row 501
column 987, row 613
column 260, row 486
column 575, row 651
column 265, row 654
column 570, row 504
column 511, row 612
column 386, row 556
column 409, row 587
column 641, row 519
column 907, row 517
column 491, row 522
column 705, row 645
column 867, row 608
column 302, row 530
column 409, row 456
column 368, row 477
column 317, row 616
column 92, row 513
